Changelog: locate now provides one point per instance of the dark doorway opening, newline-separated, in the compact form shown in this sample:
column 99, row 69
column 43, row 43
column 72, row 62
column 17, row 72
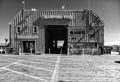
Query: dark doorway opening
column 29, row 46
column 56, row 39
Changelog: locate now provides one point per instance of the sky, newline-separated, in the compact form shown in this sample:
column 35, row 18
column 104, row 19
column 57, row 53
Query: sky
column 108, row 10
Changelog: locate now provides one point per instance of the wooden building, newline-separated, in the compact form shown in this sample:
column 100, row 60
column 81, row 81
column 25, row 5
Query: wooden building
column 55, row 31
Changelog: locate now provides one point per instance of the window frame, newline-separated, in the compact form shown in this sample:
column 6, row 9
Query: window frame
column 34, row 29
column 18, row 30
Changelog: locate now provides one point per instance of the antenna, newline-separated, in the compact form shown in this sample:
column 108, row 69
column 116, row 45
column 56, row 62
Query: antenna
column 63, row 7
column 23, row 2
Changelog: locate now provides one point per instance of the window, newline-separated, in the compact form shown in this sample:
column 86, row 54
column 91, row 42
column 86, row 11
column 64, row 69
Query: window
column 78, row 32
column 71, row 32
column 83, row 32
column 74, row 39
column 18, row 29
column 35, row 29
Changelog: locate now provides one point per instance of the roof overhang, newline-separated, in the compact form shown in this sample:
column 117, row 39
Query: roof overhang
column 27, row 37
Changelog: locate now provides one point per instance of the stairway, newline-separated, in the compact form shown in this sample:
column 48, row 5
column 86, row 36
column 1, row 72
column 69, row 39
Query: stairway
column 90, row 29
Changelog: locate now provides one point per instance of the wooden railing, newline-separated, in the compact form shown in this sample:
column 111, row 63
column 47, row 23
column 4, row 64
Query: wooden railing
column 89, row 27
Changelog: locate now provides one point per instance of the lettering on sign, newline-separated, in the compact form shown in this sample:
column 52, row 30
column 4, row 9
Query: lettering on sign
column 58, row 17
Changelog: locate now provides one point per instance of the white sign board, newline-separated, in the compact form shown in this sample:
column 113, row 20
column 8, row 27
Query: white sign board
column 114, row 53
column 60, row 43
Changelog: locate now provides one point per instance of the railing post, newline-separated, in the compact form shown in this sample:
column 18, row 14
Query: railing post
column 83, row 51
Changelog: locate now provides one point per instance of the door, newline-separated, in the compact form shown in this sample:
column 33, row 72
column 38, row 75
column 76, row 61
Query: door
column 54, row 35
column 29, row 46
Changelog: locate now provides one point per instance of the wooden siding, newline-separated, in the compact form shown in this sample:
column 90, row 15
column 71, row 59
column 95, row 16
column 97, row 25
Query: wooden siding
column 26, row 19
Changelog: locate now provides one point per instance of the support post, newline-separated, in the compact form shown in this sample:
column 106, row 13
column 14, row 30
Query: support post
column 49, row 50
column 61, row 50
column 83, row 51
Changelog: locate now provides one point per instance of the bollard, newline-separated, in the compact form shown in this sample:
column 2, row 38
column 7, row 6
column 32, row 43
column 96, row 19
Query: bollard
column 83, row 51
column 20, row 51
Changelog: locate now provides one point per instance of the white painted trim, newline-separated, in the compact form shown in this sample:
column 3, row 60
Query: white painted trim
column 26, row 74
column 54, row 77
column 39, row 62
column 11, row 64
column 34, row 67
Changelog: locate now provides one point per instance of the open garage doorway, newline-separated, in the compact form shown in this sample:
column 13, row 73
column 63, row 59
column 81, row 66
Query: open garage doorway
column 56, row 39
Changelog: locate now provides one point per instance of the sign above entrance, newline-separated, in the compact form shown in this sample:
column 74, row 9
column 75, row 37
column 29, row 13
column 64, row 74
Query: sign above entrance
column 58, row 17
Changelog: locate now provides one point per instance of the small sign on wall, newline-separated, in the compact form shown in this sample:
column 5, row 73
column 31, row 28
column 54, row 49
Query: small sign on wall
column 60, row 43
